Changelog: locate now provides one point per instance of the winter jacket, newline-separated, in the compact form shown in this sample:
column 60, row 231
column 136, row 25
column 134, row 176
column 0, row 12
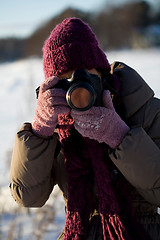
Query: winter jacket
column 38, row 164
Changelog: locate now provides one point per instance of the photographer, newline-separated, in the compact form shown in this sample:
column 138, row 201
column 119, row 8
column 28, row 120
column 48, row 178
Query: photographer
column 96, row 134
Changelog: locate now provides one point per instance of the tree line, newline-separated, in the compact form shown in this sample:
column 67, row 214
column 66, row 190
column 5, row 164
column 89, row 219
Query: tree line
column 132, row 25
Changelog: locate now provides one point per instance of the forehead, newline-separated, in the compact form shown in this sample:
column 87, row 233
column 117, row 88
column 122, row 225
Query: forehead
column 69, row 73
column 66, row 75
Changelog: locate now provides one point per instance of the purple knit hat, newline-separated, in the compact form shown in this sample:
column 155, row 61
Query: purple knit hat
column 72, row 45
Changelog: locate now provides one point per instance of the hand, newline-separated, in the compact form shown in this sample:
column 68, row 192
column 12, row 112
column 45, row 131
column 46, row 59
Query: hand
column 51, row 102
column 101, row 123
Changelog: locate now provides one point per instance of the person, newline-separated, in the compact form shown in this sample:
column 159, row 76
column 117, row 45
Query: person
column 103, row 155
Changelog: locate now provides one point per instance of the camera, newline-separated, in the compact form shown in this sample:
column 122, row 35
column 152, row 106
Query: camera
column 84, row 90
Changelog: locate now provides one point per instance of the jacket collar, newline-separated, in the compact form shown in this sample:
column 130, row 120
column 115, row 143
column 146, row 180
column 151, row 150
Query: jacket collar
column 134, row 91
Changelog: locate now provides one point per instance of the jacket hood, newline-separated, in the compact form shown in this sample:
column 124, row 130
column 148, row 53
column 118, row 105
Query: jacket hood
column 135, row 92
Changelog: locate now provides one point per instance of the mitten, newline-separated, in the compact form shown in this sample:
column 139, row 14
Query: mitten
column 101, row 123
column 51, row 102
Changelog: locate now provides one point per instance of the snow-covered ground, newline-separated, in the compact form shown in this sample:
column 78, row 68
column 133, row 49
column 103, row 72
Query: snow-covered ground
column 18, row 81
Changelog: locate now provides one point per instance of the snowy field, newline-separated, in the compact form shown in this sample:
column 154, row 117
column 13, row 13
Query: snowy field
column 18, row 81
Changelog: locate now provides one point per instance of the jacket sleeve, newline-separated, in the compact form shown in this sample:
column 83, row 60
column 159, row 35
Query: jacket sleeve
column 32, row 176
column 138, row 159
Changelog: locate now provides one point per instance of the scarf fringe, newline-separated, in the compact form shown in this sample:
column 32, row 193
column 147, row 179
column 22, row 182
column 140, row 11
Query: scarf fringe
column 113, row 228
column 74, row 228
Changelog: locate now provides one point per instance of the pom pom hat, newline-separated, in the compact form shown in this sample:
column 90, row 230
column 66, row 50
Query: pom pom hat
column 72, row 45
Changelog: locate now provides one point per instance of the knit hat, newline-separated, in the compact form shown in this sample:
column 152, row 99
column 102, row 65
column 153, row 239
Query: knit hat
column 72, row 45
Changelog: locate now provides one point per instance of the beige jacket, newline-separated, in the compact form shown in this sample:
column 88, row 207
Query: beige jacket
column 37, row 165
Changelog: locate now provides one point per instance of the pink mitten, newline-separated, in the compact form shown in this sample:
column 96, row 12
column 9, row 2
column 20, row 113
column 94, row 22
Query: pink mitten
column 101, row 123
column 51, row 102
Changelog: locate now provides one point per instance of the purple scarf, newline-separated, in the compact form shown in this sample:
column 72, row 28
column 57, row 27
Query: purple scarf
column 87, row 160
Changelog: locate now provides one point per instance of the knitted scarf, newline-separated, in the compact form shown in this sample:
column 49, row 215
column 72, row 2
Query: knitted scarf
column 86, row 162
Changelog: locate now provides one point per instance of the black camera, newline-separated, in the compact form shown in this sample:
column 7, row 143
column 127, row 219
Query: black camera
column 84, row 90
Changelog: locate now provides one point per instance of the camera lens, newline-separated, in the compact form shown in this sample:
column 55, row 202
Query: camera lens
column 81, row 96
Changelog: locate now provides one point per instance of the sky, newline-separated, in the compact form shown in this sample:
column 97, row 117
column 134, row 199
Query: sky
column 20, row 18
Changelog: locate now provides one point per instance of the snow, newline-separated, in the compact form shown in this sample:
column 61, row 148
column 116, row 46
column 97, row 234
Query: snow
column 18, row 81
